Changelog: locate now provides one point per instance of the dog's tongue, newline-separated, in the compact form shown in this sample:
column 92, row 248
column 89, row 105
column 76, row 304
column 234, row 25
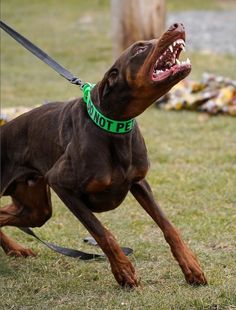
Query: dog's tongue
column 161, row 75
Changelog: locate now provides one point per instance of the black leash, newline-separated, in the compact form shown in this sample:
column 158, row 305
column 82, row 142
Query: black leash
column 65, row 251
column 74, row 80
column 41, row 55
column 71, row 252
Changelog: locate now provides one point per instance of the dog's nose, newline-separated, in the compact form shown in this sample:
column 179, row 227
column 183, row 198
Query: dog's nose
column 177, row 27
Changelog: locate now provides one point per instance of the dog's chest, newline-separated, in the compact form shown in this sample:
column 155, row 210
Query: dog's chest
column 107, row 188
column 104, row 168
column 118, row 167
column 115, row 177
column 108, row 192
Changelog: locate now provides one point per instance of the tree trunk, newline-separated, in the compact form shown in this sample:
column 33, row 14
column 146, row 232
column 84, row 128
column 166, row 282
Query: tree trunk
column 134, row 20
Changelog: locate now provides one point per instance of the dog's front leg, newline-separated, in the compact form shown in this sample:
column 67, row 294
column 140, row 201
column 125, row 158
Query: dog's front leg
column 186, row 259
column 121, row 267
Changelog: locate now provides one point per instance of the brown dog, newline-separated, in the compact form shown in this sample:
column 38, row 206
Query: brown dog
column 92, row 170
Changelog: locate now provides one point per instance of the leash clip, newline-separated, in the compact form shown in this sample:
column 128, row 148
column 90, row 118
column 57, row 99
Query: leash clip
column 77, row 81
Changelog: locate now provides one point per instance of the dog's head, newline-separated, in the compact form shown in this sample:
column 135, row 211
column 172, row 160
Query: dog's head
column 142, row 74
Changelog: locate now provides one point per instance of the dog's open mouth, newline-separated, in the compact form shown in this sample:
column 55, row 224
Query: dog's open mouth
column 168, row 63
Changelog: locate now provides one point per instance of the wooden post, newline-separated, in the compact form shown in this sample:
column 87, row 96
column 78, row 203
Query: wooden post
column 134, row 20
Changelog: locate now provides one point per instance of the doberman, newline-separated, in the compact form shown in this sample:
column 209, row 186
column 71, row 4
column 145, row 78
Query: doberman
column 59, row 146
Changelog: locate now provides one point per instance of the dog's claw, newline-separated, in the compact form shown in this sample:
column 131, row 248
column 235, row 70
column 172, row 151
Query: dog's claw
column 125, row 274
column 21, row 252
column 196, row 277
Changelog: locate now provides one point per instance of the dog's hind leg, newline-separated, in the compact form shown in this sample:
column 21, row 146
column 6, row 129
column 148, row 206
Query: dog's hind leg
column 186, row 259
column 30, row 207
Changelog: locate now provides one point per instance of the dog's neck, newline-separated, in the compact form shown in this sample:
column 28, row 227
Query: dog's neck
column 112, row 105
column 100, row 119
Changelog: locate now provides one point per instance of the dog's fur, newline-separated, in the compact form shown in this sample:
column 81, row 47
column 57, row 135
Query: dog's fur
column 57, row 145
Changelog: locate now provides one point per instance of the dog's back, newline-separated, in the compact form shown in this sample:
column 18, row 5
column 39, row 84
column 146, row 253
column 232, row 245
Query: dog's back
column 31, row 136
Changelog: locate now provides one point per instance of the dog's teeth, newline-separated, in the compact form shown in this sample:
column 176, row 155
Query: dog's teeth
column 171, row 48
column 179, row 42
column 155, row 73
column 188, row 61
column 183, row 48
column 178, row 62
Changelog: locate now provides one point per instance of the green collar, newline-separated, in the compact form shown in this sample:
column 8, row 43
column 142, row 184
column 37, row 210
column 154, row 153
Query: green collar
column 102, row 121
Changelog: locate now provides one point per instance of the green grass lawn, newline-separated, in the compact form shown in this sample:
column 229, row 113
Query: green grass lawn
column 179, row 5
column 193, row 175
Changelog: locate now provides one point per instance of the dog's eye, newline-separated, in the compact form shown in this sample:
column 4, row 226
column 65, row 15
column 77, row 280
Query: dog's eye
column 139, row 49
column 114, row 73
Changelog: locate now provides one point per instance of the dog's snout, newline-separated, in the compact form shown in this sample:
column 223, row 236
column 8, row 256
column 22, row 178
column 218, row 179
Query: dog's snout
column 177, row 27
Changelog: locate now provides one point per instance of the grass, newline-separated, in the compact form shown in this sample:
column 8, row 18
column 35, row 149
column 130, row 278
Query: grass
column 193, row 175
column 179, row 5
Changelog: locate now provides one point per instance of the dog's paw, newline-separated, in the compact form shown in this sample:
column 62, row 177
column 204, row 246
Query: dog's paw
column 21, row 252
column 124, row 274
column 192, row 270
column 195, row 276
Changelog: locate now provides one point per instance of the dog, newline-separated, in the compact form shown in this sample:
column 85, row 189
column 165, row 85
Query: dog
column 60, row 146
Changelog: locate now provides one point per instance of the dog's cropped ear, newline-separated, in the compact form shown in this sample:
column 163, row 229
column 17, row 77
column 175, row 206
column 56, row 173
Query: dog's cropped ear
column 109, row 82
